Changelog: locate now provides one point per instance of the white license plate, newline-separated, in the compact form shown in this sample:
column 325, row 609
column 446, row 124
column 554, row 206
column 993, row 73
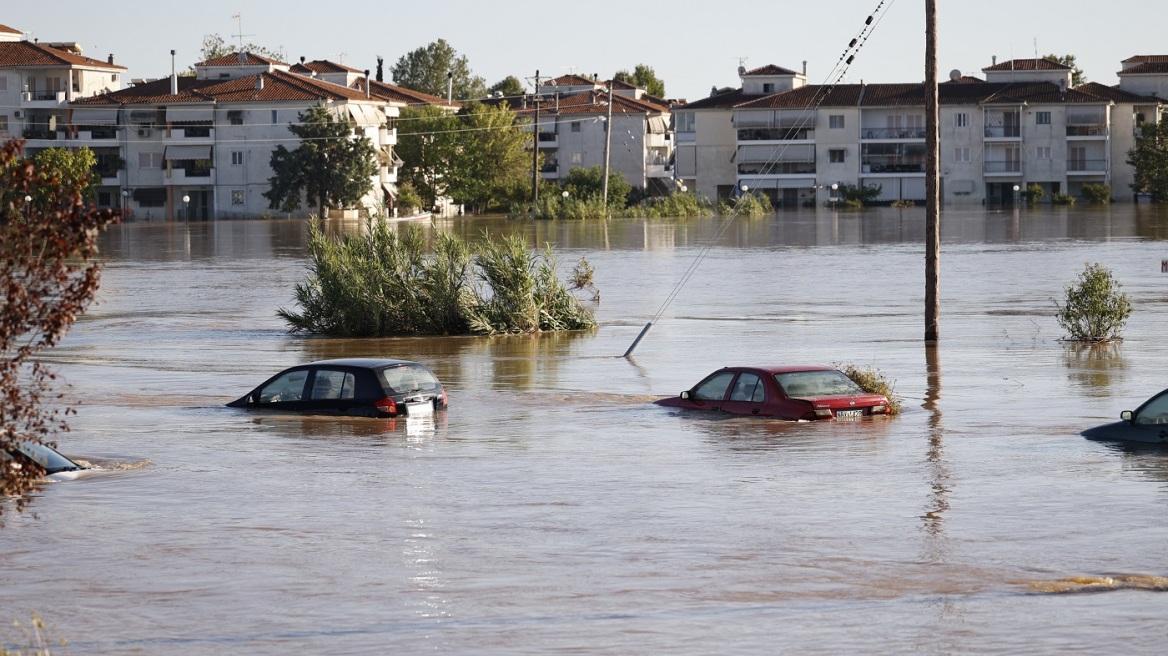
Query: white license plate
column 849, row 414
column 416, row 409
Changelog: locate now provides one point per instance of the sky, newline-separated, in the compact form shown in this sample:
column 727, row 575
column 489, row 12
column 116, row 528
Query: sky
column 692, row 46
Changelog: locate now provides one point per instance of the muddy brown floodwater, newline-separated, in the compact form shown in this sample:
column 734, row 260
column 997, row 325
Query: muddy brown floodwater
column 554, row 509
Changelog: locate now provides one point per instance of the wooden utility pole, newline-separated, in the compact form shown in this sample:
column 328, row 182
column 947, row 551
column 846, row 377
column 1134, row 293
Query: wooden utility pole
column 607, row 147
column 535, row 151
column 932, row 178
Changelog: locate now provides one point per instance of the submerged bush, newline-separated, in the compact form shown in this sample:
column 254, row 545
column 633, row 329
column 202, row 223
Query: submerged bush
column 681, row 204
column 873, row 381
column 1097, row 194
column 748, row 204
column 390, row 283
column 1095, row 309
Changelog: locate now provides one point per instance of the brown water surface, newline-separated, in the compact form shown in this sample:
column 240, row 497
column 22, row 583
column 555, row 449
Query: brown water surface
column 554, row 509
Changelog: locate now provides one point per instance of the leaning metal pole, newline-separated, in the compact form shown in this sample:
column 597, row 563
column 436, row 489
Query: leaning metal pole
column 932, row 179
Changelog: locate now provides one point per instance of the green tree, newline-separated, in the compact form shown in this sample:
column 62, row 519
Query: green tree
column 1150, row 160
column 48, row 244
column 644, row 77
column 330, row 168
column 589, row 182
column 1095, row 308
column 490, row 156
column 60, row 167
column 425, row 69
column 508, row 86
column 426, row 144
column 1077, row 76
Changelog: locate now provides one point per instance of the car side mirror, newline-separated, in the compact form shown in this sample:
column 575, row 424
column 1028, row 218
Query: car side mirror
column 685, row 394
column 1126, row 415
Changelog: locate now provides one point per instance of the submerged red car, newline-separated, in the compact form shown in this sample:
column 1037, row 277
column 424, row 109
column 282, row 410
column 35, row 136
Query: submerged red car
column 782, row 392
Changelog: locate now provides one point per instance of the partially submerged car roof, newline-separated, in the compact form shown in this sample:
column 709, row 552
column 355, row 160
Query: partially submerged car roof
column 782, row 368
column 368, row 363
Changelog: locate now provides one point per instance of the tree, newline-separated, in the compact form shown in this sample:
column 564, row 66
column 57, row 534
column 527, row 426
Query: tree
column 426, row 144
column 1077, row 75
column 380, row 68
column 48, row 238
column 72, row 168
column 508, row 86
column 426, row 68
column 589, row 182
column 330, row 168
column 1095, row 308
column 491, row 156
column 644, row 77
column 1150, row 160
column 214, row 47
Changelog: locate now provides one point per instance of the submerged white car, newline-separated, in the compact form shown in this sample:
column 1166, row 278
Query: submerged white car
column 57, row 467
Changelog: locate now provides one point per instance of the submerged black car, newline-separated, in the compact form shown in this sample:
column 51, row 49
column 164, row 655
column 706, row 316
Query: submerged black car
column 363, row 387
column 1147, row 423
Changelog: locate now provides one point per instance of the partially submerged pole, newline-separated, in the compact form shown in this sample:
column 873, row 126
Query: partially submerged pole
column 932, row 191
column 644, row 331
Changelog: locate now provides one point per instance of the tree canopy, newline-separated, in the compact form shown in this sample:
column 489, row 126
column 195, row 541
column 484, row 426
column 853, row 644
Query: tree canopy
column 330, row 168
column 508, row 86
column 214, row 47
column 425, row 69
column 426, row 144
column 48, row 239
column 644, row 77
column 1150, row 160
column 1077, row 76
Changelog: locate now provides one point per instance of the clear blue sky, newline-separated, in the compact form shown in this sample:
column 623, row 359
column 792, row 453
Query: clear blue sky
column 691, row 45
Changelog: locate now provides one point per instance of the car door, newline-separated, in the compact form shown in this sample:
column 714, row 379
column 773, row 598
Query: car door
column 747, row 395
column 284, row 392
column 331, row 391
column 710, row 394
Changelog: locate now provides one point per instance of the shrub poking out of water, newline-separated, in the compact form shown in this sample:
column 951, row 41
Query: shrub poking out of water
column 748, row 204
column 1097, row 194
column 873, row 381
column 679, row 204
column 1034, row 193
column 389, row 283
column 901, row 204
column 1062, row 199
column 1095, row 309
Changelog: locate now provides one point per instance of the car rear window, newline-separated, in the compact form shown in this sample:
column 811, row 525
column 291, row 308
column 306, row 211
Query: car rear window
column 816, row 383
column 408, row 378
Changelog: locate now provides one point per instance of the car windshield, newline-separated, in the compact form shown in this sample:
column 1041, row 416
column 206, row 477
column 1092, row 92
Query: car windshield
column 404, row 378
column 817, row 383
column 48, row 458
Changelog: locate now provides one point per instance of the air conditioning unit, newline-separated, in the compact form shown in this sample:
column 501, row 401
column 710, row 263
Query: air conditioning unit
column 143, row 132
column 18, row 114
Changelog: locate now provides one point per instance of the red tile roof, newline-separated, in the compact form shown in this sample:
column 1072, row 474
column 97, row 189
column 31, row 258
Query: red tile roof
column 8, row 30
column 1146, row 59
column 394, row 93
column 28, row 53
column 1028, row 65
column 323, row 66
column 1114, row 94
column 277, row 86
column 1146, row 68
column 569, row 81
column 590, row 102
column 770, row 69
column 250, row 59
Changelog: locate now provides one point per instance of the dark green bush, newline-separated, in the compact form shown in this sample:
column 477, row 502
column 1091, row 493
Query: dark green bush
column 1095, row 309
column 1097, row 194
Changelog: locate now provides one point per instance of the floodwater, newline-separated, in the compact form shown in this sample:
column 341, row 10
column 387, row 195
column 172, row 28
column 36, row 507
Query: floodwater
column 553, row 509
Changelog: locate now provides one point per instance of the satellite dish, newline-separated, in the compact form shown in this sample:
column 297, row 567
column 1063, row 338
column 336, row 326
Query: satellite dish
column 955, row 75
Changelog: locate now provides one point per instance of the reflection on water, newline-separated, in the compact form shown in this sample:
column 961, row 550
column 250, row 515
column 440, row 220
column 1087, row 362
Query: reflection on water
column 1094, row 366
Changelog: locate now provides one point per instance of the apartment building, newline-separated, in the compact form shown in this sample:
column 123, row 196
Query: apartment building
column 1023, row 124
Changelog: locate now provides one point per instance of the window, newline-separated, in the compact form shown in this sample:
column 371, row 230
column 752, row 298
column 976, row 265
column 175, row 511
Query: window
column 3, row 125
column 748, row 388
column 149, row 160
column 288, row 387
column 575, row 126
column 961, row 155
column 768, row 87
column 576, row 158
column 837, row 155
column 3, row 82
column 835, row 121
column 1042, row 152
column 961, row 120
column 684, row 121
column 237, row 197
column 1042, row 118
column 274, row 118
column 236, row 157
column 235, row 117
column 329, row 384
column 713, row 389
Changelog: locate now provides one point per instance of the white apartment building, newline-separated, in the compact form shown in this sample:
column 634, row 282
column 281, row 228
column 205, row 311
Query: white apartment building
column 1023, row 124
column 573, row 112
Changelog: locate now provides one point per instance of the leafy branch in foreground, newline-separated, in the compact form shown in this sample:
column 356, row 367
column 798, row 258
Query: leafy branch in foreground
column 387, row 282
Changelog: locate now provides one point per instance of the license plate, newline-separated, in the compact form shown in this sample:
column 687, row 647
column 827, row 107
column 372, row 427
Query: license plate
column 416, row 409
column 849, row 414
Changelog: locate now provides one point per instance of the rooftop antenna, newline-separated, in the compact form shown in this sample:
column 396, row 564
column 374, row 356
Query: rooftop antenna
column 239, row 27
column 341, row 57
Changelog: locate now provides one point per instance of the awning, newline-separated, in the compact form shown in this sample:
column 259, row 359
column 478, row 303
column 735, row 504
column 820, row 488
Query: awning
column 190, row 113
column 365, row 115
column 95, row 116
column 187, row 152
column 142, row 116
column 658, row 125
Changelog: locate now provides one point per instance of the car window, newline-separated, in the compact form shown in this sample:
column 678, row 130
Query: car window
column 714, row 388
column 817, row 383
column 1156, row 412
column 408, row 378
column 288, row 387
column 748, row 388
column 47, row 458
column 330, row 384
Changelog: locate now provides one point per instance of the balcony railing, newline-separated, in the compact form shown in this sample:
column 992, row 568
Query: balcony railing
column 40, row 133
column 776, row 168
column 549, row 168
column 1003, row 166
column 1003, row 131
column 892, row 166
column 892, row 133
column 1081, row 165
column 775, row 134
column 547, row 136
column 1086, row 130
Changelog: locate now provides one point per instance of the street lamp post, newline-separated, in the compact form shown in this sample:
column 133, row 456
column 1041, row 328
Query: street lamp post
column 186, row 204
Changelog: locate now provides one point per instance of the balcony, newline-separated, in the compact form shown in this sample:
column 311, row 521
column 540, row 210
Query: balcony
column 189, row 134
column 776, row 134
column 194, row 175
column 892, row 133
column 892, row 165
column 1086, row 130
column 39, row 133
column 549, row 140
column 1088, row 166
column 776, row 168
column 42, row 99
column 550, row 171
column 1003, row 167
column 1003, row 131
column 97, row 134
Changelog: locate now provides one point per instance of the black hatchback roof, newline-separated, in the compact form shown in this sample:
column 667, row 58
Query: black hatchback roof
column 367, row 363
